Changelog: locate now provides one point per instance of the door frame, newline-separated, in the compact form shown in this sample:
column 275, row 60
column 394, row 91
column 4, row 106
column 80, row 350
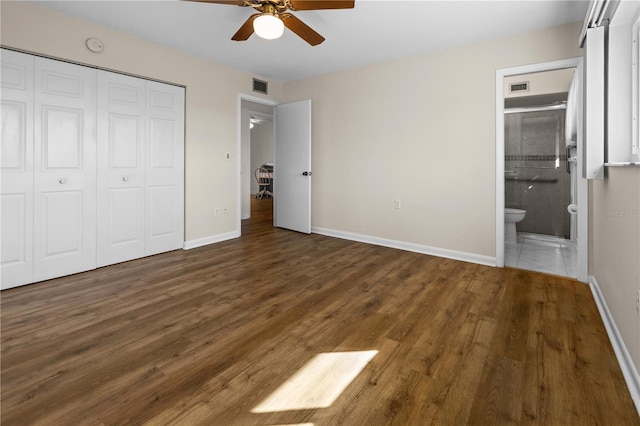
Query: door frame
column 583, row 192
column 258, row 100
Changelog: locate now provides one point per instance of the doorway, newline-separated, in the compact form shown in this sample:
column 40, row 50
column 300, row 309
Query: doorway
column 537, row 175
column 261, row 160
column 291, row 173
column 256, row 147
column 539, row 172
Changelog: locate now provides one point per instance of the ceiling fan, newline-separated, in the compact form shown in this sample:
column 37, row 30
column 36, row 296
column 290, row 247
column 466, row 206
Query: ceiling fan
column 274, row 16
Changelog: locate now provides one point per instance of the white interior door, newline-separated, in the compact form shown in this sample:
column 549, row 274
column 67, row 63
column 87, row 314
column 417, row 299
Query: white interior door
column 121, row 167
column 16, row 201
column 164, row 206
column 293, row 166
column 65, row 169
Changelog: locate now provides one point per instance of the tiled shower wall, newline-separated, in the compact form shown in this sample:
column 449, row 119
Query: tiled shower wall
column 536, row 179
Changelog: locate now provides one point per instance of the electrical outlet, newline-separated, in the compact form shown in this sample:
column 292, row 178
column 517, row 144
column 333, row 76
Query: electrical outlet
column 225, row 210
column 397, row 204
column 216, row 211
column 638, row 300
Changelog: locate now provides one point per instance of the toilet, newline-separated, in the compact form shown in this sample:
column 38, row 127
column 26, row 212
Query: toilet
column 511, row 217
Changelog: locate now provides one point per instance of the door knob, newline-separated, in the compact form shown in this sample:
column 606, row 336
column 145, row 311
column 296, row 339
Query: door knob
column 124, row 178
column 306, row 173
column 62, row 181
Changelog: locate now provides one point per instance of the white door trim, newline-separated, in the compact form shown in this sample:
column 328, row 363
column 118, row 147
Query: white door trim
column 250, row 98
column 582, row 186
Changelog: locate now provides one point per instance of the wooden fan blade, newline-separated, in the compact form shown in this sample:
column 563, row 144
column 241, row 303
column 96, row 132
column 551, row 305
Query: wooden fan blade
column 321, row 4
column 304, row 31
column 231, row 2
column 246, row 29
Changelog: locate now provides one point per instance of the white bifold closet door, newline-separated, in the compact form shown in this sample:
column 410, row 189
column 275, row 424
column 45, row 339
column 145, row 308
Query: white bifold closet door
column 121, row 167
column 140, row 172
column 92, row 168
column 48, row 169
column 164, row 214
column 16, row 159
column 64, row 155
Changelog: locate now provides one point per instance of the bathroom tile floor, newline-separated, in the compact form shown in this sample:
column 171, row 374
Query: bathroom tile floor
column 552, row 256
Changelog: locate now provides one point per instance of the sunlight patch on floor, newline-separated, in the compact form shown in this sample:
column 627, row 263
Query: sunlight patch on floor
column 318, row 384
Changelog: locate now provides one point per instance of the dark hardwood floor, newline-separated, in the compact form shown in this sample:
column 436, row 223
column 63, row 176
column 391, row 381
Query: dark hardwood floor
column 204, row 336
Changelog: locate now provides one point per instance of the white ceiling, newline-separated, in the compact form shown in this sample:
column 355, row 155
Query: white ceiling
column 374, row 31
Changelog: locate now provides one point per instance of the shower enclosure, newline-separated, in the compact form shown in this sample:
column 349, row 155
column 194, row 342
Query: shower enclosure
column 538, row 170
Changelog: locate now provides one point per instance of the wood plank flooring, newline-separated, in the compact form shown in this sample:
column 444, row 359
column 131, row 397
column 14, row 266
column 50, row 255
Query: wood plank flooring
column 201, row 337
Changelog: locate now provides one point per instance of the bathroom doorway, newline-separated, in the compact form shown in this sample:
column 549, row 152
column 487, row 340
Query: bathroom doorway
column 538, row 177
column 538, row 164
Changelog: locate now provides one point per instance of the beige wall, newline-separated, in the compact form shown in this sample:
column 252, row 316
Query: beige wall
column 615, row 249
column 614, row 213
column 420, row 130
column 211, row 100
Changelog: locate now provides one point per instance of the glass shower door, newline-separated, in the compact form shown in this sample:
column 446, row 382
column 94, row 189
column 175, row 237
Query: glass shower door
column 536, row 177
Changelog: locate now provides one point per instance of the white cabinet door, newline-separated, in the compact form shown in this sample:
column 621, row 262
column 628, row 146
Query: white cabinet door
column 164, row 215
column 65, row 169
column 121, row 167
column 16, row 202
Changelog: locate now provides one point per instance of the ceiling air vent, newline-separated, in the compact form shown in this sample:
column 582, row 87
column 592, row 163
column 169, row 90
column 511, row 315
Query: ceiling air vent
column 259, row 86
column 519, row 87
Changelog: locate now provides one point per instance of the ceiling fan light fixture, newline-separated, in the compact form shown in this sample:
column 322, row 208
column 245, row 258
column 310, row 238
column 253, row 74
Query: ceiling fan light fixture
column 268, row 26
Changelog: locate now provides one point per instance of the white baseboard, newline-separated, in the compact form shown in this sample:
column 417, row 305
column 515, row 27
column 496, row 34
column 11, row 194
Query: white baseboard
column 629, row 370
column 191, row 244
column 417, row 248
column 245, row 216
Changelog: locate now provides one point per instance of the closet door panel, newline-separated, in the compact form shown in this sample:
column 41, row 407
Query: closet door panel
column 14, row 119
column 16, row 199
column 62, row 225
column 14, row 232
column 121, row 167
column 164, row 223
column 65, row 169
column 162, row 201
